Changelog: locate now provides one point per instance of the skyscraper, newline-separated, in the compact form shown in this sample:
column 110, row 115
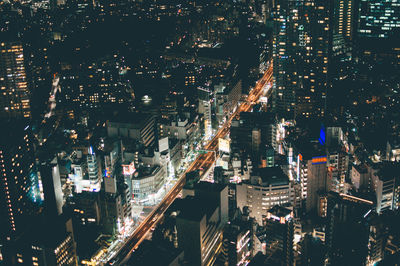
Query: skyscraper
column 343, row 18
column 279, row 232
column 347, row 229
column 17, row 190
column 287, row 37
column 378, row 18
column 300, row 51
column 14, row 100
column 311, row 97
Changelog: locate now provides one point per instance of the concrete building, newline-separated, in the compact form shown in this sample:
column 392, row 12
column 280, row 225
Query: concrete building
column 57, row 248
column 311, row 172
column 385, row 181
column 140, row 127
column 199, row 231
column 18, row 185
column 15, row 98
column 279, row 235
column 179, row 128
column 347, row 229
column 238, row 239
column 252, row 129
column 267, row 187
column 360, row 176
column 228, row 99
column 147, row 181
column 116, row 211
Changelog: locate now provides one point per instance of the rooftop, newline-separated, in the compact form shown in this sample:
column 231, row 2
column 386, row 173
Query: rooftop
column 135, row 119
column 273, row 176
column 280, row 211
column 389, row 171
column 194, row 208
column 207, row 186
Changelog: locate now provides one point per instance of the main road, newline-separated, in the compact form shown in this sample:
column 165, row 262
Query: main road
column 203, row 161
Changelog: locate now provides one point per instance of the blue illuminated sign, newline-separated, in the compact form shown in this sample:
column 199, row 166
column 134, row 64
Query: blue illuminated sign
column 322, row 135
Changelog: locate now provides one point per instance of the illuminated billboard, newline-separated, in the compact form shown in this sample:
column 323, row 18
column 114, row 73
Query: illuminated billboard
column 322, row 135
column 223, row 145
column 319, row 160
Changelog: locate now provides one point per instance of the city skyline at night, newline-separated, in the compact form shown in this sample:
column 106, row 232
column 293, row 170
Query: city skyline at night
column 202, row 132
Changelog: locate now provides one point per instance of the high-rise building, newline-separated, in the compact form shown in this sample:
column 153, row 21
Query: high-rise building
column 199, row 231
column 200, row 223
column 99, row 85
column 17, row 188
column 343, row 18
column 53, row 196
column 279, row 236
column 94, row 170
column 137, row 126
column 46, row 246
column 252, row 130
column 288, row 36
column 347, row 229
column 311, row 99
column 267, row 187
column 386, row 184
column 15, row 94
column 378, row 19
column 311, row 172
column 49, row 241
column 238, row 239
column 342, row 32
column 300, row 52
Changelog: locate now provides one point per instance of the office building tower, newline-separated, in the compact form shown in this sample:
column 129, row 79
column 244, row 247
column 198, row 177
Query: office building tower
column 53, row 196
column 15, row 94
column 316, row 181
column 205, row 109
column 288, row 36
column 266, row 188
column 360, row 177
column 227, row 98
column 87, row 209
column 94, row 170
column 378, row 235
column 342, row 25
column 255, row 141
column 137, row 126
column 341, row 34
column 347, row 229
column 214, row 192
column 311, row 171
column 197, row 217
column 200, row 223
column 301, row 53
column 311, row 99
column 312, row 251
column 238, row 239
column 49, row 242
column 378, row 19
column 18, row 190
column 385, row 181
column 279, row 236
column 252, row 130
column 147, row 182
column 338, row 164
column 343, row 18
